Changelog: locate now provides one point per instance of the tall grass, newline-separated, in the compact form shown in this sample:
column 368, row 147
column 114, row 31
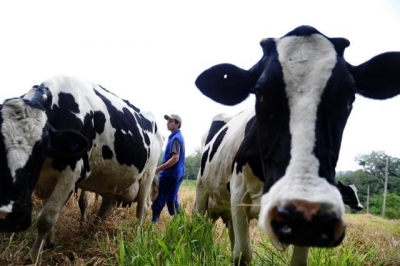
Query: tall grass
column 188, row 239
column 185, row 240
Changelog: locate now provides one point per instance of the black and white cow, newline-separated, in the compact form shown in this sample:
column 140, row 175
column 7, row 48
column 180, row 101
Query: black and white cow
column 68, row 132
column 283, row 169
column 350, row 196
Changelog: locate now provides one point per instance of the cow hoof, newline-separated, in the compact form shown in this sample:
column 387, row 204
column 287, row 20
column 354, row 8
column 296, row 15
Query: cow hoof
column 303, row 223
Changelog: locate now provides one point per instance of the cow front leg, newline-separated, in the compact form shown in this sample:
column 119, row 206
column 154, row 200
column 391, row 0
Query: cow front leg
column 202, row 197
column 143, row 196
column 299, row 257
column 51, row 210
column 231, row 234
column 242, row 252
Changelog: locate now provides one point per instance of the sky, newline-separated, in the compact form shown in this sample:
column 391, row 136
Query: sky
column 151, row 52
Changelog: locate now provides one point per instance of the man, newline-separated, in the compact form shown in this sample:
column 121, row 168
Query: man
column 171, row 171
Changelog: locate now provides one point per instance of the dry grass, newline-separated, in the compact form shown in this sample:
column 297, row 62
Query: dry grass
column 89, row 244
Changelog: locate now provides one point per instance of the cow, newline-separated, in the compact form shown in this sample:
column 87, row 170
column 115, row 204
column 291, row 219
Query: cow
column 282, row 171
column 348, row 192
column 350, row 196
column 64, row 133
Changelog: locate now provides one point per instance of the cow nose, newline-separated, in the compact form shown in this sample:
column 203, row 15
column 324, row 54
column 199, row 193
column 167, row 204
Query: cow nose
column 304, row 223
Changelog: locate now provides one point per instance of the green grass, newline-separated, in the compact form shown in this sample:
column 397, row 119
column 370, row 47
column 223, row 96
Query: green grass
column 185, row 240
column 188, row 239
column 189, row 185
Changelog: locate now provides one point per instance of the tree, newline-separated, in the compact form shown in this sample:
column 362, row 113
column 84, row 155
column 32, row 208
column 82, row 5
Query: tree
column 192, row 164
column 375, row 163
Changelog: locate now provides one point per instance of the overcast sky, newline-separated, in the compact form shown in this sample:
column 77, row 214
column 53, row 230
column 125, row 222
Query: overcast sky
column 150, row 53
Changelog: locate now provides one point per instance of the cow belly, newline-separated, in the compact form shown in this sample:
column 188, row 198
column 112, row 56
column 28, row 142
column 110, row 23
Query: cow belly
column 113, row 179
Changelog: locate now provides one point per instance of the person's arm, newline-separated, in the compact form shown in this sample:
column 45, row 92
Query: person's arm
column 173, row 160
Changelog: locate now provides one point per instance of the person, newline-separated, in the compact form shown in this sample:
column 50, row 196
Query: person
column 171, row 171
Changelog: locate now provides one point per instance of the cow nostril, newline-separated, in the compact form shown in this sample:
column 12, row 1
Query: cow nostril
column 325, row 217
column 283, row 212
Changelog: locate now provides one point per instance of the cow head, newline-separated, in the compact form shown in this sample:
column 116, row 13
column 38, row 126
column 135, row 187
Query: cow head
column 25, row 140
column 350, row 196
column 304, row 90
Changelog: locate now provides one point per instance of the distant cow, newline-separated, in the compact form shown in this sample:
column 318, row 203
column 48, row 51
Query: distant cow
column 283, row 168
column 350, row 196
column 68, row 132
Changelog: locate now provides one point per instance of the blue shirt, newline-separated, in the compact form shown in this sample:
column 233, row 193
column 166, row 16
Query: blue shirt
column 178, row 169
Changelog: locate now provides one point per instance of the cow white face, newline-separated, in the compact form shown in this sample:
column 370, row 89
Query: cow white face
column 304, row 93
column 22, row 149
column 25, row 141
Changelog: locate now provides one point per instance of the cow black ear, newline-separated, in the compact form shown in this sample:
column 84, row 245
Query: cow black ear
column 225, row 83
column 67, row 144
column 379, row 77
column 340, row 45
column 340, row 184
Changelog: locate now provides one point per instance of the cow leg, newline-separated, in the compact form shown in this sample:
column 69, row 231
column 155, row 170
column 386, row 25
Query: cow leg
column 49, row 243
column 242, row 252
column 231, row 234
column 201, row 203
column 51, row 210
column 143, row 195
column 83, row 202
column 106, row 207
column 299, row 257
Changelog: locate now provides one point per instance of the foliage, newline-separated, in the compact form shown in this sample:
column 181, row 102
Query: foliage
column 375, row 163
column 192, row 165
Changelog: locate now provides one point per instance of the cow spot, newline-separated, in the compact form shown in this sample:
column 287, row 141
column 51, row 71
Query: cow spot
column 107, row 153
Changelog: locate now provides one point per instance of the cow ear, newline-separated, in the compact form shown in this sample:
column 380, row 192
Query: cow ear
column 379, row 77
column 225, row 83
column 340, row 184
column 65, row 144
column 340, row 45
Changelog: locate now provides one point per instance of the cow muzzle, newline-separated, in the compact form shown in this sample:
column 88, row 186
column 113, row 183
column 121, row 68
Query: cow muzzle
column 303, row 211
column 303, row 223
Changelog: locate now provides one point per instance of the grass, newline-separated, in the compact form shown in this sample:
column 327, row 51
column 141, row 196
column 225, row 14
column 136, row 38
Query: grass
column 188, row 239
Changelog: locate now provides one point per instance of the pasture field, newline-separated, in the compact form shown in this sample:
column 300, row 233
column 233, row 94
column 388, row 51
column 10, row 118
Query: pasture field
column 189, row 239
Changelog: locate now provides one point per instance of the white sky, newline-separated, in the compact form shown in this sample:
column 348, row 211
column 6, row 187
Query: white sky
column 150, row 53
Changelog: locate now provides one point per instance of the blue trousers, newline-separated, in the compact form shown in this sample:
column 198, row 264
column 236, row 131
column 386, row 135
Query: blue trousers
column 167, row 194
